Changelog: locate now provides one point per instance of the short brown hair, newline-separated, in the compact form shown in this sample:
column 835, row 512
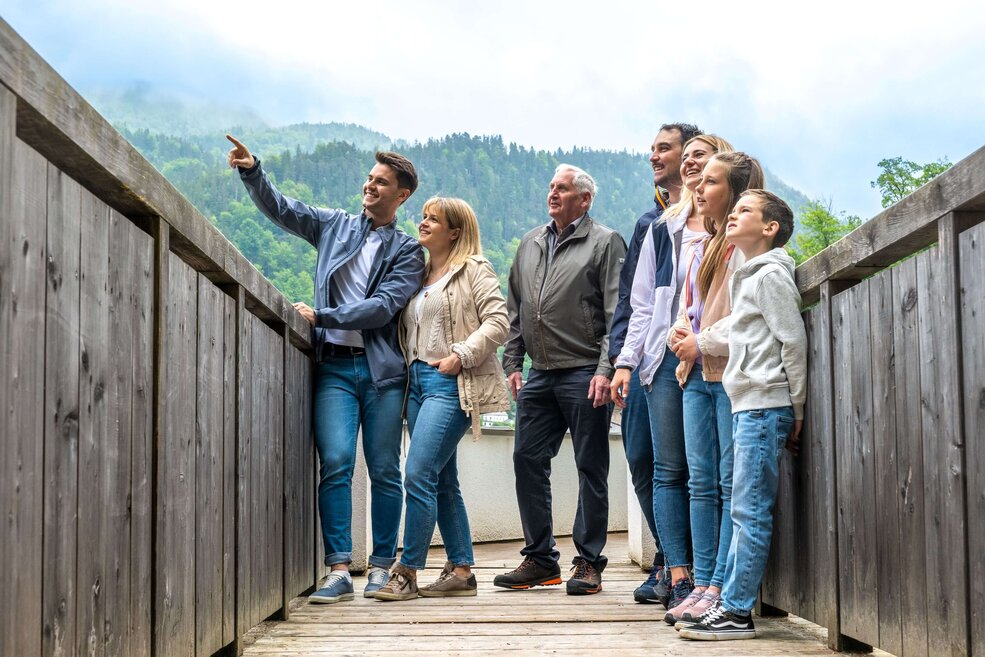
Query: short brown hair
column 404, row 168
column 774, row 209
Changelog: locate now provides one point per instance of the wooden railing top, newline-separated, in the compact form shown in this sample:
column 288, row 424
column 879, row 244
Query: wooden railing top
column 57, row 122
column 899, row 231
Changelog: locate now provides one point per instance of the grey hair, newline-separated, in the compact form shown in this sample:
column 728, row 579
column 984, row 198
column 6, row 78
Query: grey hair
column 581, row 180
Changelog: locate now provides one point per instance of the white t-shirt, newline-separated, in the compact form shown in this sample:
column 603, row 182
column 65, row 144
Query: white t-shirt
column 688, row 237
column 351, row 281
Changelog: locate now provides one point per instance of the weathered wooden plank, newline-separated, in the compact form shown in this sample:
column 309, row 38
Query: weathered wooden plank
column 972, row 258
column 900, row 230
column 853, row 425
column 229, row 513
column 276, row 602
column 117, row 448
column 96, row 390
column 175, row 540
column 947, row 578
column 142, row 316
column 909, row 459
column 61, row 414
column 883, row 390
column 23, row 186
column 299, row 509
column 209, row 465
column 245, row 580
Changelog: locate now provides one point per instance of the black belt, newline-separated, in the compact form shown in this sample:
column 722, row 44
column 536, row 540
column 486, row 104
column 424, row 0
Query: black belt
column 330, row 350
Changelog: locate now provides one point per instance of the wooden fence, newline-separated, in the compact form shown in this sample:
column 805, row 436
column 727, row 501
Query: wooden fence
column 880, row 532
column 156, row 498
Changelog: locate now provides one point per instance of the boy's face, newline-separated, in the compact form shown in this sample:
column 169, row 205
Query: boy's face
column 747, row 228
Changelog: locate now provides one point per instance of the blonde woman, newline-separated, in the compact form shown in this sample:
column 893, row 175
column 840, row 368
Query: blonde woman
column 449, row 333
column 660, row 277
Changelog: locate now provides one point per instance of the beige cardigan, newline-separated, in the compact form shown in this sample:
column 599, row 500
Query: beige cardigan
column 712, row 337
column 474, row 322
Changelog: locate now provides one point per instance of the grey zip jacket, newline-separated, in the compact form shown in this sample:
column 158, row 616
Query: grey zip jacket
column 561, row 314
column 396, row 275
column 767, row 365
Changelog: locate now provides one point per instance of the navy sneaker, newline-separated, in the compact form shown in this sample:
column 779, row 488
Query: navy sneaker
column 337, row 587
column 662, row 588
column 376, row 579
column 646, row 592
column 719, row 624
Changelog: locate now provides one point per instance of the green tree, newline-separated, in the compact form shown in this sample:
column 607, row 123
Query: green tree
column 820, row 227
column 900, row 178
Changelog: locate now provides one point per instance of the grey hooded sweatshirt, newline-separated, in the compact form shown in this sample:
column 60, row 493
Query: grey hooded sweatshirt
column 767, row 365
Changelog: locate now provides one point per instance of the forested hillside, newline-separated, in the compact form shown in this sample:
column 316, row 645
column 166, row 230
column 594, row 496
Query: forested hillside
column 325, row 164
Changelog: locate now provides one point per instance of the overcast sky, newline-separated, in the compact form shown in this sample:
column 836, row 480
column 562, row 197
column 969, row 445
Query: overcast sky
column 820, row 91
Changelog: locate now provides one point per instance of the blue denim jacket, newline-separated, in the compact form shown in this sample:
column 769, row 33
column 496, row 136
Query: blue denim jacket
column 396, row 275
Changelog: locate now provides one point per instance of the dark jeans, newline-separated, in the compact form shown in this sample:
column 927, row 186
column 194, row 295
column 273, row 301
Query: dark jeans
column 551, row 402
column 637, row 442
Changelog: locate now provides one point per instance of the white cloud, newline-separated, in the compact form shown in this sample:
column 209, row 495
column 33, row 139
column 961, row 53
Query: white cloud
column 820, row 91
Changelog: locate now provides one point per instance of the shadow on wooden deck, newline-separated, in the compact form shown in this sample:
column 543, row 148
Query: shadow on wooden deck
column 540, row 621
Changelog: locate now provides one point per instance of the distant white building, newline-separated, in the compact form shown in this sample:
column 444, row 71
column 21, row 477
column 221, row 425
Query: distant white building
column 497, row 419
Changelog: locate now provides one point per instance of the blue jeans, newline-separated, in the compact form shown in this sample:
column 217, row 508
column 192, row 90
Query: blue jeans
column 346, row 398
column 670, row 499
column 708, row 440
column 638, row 445
column 436, row 423
column 759, row 439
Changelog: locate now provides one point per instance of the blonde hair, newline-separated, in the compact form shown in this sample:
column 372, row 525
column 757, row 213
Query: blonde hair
column 457, row 214
column 742, row 172
column 718, row 145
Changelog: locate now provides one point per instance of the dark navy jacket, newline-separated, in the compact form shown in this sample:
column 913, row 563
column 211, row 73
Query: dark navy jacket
column 620, row 321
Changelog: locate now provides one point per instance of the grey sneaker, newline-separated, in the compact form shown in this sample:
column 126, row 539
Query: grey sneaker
column 450, row 585
column 337, row 587
column 401, row 586
column 376, row 579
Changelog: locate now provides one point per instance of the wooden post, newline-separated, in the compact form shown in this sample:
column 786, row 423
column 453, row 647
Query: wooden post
column 284, row 613
column 827, row 583
column 949, row 536
column 161, row 232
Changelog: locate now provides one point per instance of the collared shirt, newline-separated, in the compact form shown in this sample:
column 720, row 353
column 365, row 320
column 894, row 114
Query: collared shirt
column 554, row 239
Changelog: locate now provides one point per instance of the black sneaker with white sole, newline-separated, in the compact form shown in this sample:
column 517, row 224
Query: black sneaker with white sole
column 719, row 624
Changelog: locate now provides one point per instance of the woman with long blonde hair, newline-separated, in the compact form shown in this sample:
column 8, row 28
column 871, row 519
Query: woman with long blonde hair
column 700, row 341
column 657, row 285
column 449, row 333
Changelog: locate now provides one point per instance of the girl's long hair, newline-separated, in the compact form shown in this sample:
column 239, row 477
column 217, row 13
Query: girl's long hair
column 743, row 172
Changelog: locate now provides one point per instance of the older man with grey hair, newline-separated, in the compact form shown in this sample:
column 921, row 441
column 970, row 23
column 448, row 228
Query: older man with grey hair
column 563, row 290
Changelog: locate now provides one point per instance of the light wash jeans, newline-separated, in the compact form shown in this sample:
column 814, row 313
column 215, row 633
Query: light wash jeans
column 436, row 423
column 708, row 439
column 670, row 498
column 346, row 398
column 759, row 436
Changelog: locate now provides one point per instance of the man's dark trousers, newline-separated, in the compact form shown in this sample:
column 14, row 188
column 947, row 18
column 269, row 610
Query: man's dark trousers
column 550, row 403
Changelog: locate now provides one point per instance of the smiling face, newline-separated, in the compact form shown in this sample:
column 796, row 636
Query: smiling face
column 665, row 158
column 381, row 196
column 435, row 234
column 713, row 194
column 746, row 227
column 564, row 202
column 696, row 156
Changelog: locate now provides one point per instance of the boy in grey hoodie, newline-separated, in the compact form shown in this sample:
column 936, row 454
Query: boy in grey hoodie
column 766, row 381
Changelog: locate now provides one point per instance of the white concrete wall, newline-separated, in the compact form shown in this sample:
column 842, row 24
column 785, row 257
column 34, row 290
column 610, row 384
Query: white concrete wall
column 486, row 474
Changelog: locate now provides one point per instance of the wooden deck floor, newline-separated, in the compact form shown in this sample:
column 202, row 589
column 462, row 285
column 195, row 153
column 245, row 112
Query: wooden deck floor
column 540, row 621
